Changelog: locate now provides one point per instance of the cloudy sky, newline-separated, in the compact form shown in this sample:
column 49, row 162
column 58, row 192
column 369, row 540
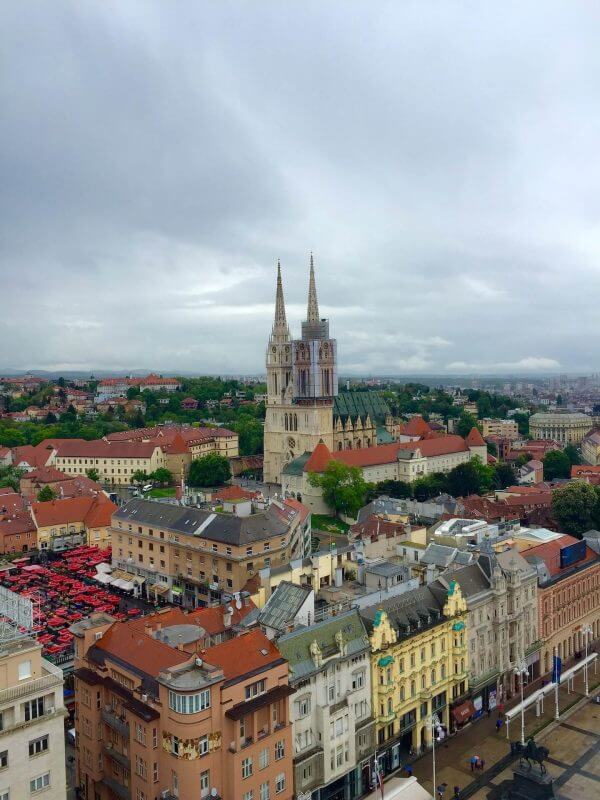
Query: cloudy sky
column 441, row 159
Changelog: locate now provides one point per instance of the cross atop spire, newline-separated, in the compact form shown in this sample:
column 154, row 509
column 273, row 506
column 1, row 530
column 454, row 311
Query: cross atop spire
column 313, row 305
column 280, row 326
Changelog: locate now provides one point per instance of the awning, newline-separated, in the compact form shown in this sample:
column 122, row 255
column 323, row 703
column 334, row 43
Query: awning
column 160, row 588
column 176, row 590
column 102, row 577
column 103, row 567
column 139, row 580
column 401, row 789
column 463, row 712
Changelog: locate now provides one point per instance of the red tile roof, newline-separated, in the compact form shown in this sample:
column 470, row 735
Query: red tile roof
column 234, row 493
column 16, row 523
column 245, row 654
column 319, row 458
column 550, row 553
column 128, row 642
column 34, row 456
column 212, row 619
column 46, row 475
column 416, row 426
column 99, row 448
column 94, row 512
column 475, row 439
column 384, row 453
column 11, row 502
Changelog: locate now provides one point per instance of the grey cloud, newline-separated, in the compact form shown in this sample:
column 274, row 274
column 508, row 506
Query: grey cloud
column 440, row 159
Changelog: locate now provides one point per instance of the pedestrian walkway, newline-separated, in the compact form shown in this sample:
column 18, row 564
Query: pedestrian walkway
column 480, row 738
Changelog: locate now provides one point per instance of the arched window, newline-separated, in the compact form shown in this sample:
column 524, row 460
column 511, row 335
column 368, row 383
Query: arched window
column 295, row 422
column 340, row 445
column 423, row 681
column 433, row 676
column 285, row 421
column 443, row 670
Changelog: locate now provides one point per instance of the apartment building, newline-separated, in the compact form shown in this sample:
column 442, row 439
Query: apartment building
column 158, row 715
column 192, row 556
column 333, row 727
column 195, row 442
column 32, row 742
column 418, row 669
column 504, row 428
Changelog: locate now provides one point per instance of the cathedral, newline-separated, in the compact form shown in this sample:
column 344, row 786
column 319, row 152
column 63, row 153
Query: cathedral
column 303, row 403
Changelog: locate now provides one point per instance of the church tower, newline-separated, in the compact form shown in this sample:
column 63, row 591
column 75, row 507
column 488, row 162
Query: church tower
column 301, row 385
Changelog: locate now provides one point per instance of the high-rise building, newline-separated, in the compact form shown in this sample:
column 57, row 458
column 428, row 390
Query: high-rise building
column 301, row 385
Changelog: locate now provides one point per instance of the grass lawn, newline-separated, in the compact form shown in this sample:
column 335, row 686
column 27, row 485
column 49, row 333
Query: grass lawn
column 166, row 491
column 329, row 524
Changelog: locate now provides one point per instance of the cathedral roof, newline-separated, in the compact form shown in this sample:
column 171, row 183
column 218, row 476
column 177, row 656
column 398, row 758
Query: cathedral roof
column 320, row 457
column 361, row 404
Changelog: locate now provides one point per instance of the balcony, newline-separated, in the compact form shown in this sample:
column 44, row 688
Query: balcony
column 124, row 792
column 51, row 680
column 120, row 758
column 118, row 724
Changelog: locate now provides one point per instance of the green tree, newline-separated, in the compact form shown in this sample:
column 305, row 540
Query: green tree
column 572, row 454
column 140, row 477
column 210, row 470
column 429, row 486
column 464, row 480
column 504, row 475
column 399, row 490
column 466, row 422
column 556, row 465
column 93, row 474
column 344, row 488
column 10, row 477
column 162, row 476
column 522, row 421
column 46, row 493
column 492, row 448
column 576, row 507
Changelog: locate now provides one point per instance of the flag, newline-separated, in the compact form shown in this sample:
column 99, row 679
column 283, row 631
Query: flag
column 556, row 669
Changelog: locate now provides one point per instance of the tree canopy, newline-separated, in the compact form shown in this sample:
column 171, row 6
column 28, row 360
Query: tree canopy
column 557, row 464
column 344, row 488
column 210, row 470
column 46, row 493
column 576, row 507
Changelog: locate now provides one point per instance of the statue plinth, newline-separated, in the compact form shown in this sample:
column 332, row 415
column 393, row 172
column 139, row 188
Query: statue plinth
column 529, row 784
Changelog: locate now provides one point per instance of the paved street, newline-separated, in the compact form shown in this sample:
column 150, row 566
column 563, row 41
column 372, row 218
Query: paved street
column 480, row 738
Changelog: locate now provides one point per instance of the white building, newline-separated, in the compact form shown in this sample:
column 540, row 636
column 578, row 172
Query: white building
column 32, row 741
column 331, row 713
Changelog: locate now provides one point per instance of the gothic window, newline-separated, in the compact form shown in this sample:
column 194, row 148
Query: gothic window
column 368, row 443
column 285, row 417
column 340, row 445
column 295, row 422
column 358, row 444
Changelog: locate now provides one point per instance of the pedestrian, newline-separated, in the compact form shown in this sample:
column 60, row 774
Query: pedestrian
column 498, row 725
column 482, row 764
column 474, row 760
column 456, row 793
column 441, row 790
column 409, row 770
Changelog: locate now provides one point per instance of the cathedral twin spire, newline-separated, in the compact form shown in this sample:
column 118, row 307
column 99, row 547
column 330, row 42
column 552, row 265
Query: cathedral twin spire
column 280, row 326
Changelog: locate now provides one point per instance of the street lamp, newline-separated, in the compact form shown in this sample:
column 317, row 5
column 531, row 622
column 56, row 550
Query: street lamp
column 434, row 724
column 587, row 632
column 521, row 670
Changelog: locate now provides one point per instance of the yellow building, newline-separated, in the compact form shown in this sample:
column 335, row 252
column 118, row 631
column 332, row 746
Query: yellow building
column 418, row 668
column 62, row 524
column 115, row 461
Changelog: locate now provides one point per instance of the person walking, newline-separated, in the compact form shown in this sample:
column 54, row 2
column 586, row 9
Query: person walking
column 498, row 725
column 409, row 770
column 441, row 789
column 456, row 795
column 474, row 762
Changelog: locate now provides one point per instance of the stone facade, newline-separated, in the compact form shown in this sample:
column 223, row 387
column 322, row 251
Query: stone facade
column 563, row 428
column 501, row 595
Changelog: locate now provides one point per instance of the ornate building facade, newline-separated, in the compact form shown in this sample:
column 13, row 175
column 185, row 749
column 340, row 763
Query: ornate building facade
column 303, row 402
column 301, row 385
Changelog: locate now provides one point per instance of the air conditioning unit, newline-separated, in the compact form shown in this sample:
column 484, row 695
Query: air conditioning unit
column 145, row 698
column 50, row 710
